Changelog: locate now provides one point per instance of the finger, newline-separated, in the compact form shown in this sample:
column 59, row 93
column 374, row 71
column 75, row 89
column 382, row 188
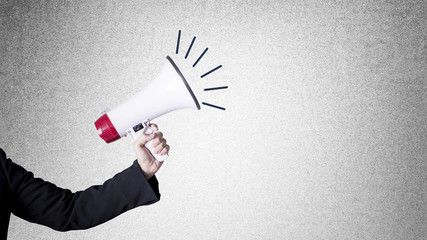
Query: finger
column 158, row 137
column 143, row 139
column 159, row 163
column 154, row 127
column 165, row 150
column 160, row 146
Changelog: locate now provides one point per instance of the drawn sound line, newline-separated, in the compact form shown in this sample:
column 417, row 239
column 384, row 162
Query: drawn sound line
column 200, row 57
column 216, row 88
column 214, row 106
column 189, row 48
column 177, row 43
column 211, row 71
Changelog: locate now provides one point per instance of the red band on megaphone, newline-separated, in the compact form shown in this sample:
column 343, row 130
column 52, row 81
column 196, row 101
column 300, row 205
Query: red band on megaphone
column 106, row 129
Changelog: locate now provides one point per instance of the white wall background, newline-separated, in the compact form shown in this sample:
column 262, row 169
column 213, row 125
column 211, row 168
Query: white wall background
column 324, row 135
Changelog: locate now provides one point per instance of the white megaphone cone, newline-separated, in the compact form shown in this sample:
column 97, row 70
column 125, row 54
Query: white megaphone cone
column 169, row 91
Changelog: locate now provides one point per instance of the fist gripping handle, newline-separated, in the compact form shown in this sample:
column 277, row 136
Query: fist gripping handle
column 144, row 128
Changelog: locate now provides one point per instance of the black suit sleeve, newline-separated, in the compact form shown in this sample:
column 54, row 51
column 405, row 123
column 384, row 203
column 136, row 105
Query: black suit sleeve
column 38, row 201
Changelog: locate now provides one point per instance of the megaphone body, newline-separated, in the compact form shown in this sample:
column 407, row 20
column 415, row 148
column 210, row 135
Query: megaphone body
column 169, row 91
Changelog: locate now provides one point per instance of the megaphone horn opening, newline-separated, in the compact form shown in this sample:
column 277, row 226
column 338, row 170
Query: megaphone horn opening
column 184, row 81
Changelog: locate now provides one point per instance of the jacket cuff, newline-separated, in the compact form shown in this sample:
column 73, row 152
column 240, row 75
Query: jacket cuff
column 154, row 185
column 152, row 182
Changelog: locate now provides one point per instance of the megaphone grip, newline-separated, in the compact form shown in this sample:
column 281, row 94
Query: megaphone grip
column 159, row 157
column 145, row 129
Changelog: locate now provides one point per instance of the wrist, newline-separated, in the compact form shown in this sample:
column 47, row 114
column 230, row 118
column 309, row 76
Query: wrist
column 146, row 174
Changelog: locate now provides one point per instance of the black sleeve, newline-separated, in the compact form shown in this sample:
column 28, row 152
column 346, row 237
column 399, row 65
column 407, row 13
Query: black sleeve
column 38, row 201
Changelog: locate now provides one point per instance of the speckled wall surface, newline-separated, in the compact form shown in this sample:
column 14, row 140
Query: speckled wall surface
column 323, row 136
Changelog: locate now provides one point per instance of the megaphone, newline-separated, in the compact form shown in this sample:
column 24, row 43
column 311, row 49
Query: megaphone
column 169, row 91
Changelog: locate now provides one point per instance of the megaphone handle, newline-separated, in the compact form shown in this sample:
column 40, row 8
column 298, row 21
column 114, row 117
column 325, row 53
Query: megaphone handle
column 146, row 130
column 150, row 148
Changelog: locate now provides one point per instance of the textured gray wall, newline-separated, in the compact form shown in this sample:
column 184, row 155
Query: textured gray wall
column 324, row 136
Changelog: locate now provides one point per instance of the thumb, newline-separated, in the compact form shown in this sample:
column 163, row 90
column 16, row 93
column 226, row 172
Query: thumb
column 154, row 127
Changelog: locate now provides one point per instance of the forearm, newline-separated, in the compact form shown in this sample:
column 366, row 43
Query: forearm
column 42, row 202
column 98, row 204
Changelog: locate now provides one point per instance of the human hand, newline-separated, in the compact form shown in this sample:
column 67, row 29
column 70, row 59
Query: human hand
column 149, row 165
